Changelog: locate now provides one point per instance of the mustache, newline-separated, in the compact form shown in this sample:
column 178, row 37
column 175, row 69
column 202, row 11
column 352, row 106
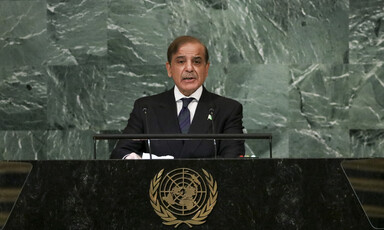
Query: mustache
column 188, row 75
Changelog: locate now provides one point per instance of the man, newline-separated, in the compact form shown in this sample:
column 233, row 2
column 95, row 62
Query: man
column 186, row 108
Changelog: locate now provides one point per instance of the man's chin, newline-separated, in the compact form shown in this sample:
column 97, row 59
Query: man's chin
column 187, row 91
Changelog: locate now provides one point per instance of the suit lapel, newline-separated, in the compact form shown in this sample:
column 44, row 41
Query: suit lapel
column 166, row 112
column 200, row 123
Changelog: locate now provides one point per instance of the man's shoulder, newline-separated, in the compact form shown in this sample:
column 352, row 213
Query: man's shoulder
column 218, row 99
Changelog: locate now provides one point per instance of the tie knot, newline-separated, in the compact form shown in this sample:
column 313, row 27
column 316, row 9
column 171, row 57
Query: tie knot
column 186, row 101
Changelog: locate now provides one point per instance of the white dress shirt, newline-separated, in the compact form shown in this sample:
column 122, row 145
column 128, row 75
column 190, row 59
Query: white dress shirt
column 193, row 105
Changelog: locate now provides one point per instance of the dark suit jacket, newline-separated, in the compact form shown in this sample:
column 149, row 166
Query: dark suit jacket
column 162, row 119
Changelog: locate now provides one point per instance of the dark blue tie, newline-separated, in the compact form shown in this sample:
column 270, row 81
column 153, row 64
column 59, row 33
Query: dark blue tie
column 184, row 115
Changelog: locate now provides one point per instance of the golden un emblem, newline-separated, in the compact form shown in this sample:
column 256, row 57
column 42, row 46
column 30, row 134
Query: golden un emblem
column 183, row 196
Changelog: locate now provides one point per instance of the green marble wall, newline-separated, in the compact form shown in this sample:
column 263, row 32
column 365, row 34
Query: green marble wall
column 310, row 72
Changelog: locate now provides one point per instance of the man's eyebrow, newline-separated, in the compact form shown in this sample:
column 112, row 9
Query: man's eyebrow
column 179, row 57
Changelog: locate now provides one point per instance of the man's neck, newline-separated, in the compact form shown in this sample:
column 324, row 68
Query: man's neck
column 196, row 94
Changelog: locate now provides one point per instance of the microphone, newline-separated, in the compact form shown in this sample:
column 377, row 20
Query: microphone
column 145, row 111
column 210, row 117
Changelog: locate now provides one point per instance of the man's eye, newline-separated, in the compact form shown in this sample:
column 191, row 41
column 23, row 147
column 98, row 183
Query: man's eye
column 197, row 62
column 180, row 61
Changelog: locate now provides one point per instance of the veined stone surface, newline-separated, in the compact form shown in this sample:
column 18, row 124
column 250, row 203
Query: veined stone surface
column 23, row 145
column 367, row 143
column 310, row 72
column 23, row 98
column 23, row 33
column 367, row 109
column 366, row 28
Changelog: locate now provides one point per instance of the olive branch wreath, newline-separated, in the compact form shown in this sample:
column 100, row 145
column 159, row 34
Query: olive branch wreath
column 168, row 217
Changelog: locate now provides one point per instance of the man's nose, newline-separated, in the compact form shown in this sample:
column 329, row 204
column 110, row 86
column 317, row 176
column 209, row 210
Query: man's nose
column 189, row 66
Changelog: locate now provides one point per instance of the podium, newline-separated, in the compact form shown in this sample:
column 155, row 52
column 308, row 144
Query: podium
column 239, row 194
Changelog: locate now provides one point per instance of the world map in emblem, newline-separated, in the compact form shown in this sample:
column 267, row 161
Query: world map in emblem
column 183, row 191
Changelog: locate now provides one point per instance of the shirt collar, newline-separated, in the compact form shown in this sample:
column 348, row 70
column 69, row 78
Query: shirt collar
column 196, row 94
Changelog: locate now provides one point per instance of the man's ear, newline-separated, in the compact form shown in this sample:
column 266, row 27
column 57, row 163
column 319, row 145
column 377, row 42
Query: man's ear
column 207, row 67
column 168, row 66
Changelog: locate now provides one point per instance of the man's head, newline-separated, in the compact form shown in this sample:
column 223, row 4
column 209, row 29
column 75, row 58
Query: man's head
column 188, row 63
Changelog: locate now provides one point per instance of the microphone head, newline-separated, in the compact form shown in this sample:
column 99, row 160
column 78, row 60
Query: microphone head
column 211, row 111
column 145, row 110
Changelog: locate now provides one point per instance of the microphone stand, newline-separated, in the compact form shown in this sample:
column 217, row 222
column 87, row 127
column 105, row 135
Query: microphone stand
column 210, row 117
column 148, row 140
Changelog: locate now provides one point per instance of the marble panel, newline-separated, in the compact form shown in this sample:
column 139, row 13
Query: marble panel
column 23, row 0
column 367, row 104
column 125, row 84
column 234, row 31
column 20, row 19
column 320, row 95
column 262, row 90
column 104, row 148
column 23, row 145
column 366, row 28
column 74, row 144
column 310, row 114
column 76, row 97
column 319, row 143
column 202, row 20
column 367, row 143
column 318, row 31
column 260, row 148
column 137, row 32
column 280, row 143
column 77, row 31
column 23, row 98
column 23, row 33
column 257, row 31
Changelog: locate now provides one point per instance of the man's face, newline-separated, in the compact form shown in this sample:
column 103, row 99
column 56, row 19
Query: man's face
column 188, row 67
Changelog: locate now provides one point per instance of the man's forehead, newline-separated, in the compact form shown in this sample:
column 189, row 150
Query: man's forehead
column 190, row 49
column 185, row 56
column 191, row 45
